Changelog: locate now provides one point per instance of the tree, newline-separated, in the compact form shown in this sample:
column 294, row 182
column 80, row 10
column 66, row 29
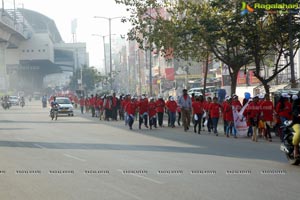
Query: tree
column 192, row 30
column 90, row 76
column 268, row 34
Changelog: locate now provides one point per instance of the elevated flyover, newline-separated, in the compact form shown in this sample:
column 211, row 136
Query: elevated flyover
column 27, row 50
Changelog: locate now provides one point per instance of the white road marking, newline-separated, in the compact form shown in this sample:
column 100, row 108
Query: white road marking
column 143, row 177
column 37, row 145
column 74, row 157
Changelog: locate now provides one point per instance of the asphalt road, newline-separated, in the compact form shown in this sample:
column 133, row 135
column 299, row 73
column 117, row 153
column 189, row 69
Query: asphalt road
column 84, row 158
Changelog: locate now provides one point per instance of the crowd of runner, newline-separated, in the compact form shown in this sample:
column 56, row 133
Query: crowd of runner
column 203, row 113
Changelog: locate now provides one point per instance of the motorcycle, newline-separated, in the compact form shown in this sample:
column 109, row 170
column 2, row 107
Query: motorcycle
column 287, row 146
column 5, row 104
column 54, row 112
column 22, row 104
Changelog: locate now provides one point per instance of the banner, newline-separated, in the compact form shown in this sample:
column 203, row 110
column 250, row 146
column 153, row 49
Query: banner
column 240, row 121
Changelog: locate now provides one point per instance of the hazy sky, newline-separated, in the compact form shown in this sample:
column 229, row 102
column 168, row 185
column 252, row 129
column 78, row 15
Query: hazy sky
column 64, row 11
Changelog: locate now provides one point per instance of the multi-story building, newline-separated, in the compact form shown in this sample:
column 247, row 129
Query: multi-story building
column 42, row 54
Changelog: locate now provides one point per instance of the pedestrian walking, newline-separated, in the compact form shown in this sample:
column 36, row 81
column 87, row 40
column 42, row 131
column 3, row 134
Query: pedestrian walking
column 152, row 113
column 131, row 110
column 172, row 107
column 198, row 110
column 214, row 112
column 185, row 104
column 160, row 108
column 252, row 113
column 267, row 109
column 228, row 117
column 207, row 119
column 143, row 111
column 81, row 103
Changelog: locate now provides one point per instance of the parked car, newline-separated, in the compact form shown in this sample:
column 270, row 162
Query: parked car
column 210, row 91
column 65, row 106
column 14, row 100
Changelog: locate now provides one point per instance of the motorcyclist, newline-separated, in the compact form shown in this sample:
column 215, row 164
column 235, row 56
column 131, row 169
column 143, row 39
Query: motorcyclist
column 54, row 104
column 22, row 100
column 296, row 124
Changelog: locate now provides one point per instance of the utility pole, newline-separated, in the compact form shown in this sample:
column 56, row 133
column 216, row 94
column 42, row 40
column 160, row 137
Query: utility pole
column 291, row 52
column 110, row 52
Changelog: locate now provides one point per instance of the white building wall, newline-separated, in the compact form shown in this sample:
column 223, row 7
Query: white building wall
column 39, row 47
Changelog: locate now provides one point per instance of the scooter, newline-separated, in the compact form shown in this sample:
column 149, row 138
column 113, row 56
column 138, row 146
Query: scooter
column 287, row 146
column 22, row 104
column 5, row 104
column 54, row 112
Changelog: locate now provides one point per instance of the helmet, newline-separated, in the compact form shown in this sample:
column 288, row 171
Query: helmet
column 295, row 97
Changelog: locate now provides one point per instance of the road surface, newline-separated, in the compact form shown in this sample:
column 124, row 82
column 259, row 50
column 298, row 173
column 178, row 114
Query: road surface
column 84, row 158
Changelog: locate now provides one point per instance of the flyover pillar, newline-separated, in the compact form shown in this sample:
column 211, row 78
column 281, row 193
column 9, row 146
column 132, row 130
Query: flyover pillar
column 3, row 75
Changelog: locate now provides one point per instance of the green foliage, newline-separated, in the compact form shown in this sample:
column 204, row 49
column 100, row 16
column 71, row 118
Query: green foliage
column 90, row 76
column 192, row 28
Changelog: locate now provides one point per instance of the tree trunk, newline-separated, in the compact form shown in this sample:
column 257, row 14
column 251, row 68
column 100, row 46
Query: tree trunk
column 266, row 86
column 234, row 76
column 205, row 75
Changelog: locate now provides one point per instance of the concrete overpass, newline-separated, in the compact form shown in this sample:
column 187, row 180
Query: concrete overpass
column 31, row 47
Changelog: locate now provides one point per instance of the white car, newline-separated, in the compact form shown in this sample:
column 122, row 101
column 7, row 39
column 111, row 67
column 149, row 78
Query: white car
column 65, row 106
column 14, row 100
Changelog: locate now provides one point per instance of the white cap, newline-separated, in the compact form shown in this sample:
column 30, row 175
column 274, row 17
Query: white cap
column 285, row 95
column 295, row 97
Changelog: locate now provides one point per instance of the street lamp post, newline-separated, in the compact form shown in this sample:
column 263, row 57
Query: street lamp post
column 110, row 56
column 104, row 49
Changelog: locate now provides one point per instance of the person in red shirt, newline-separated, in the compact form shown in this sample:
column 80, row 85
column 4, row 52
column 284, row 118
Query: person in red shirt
column 114, row 107
column 228, row 115
column 81, row 103
column 224, row 104
column 214, row 113
column 143, row 111
column 124, row 105
column 172, row 108
column 198, row 110
column 208, row 118
column 107, row 107
column 130, row 110
column 152, row 113
column 193, row 98
column 267, row 109
column 284, row 109
column 160, row 109
column 96, row 106
column 236, row 103
column 253, row 113
column 99, row 107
